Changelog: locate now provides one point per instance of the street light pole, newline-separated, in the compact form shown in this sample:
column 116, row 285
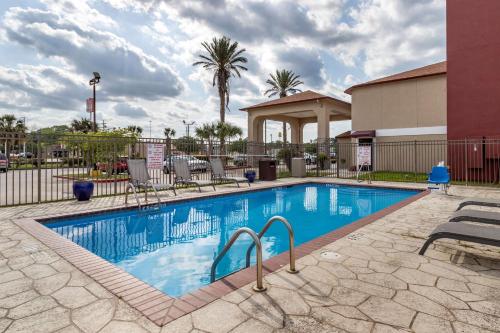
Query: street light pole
column 188, row 125
column 93, row 82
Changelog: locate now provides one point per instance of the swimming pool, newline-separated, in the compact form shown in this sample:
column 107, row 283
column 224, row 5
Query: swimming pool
column 173, row 247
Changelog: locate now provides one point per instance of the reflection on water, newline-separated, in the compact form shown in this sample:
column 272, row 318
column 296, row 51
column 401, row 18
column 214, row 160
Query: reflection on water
column 174, row 246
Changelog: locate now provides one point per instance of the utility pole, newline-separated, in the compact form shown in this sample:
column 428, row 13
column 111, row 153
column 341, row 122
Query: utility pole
column 103, row 125
column 188, row 125
column 150, row 128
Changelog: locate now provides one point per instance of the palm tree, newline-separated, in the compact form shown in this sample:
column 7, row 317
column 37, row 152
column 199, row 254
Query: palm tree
column 135, row 130
column 282, row 83
column 169, row 132
column 11, row 128
column 83, row 125
column 207, row 131
column 227, row 131
column 224, row 59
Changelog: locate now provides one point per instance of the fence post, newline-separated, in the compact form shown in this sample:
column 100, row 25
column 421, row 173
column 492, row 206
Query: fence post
column 337, row 165
column 169, row 159
column 113, row 165
column 39, row 165
column 415, row 159
column 317, row 157
column 466, row 165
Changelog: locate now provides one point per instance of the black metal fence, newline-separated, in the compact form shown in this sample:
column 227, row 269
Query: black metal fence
column 43, row 167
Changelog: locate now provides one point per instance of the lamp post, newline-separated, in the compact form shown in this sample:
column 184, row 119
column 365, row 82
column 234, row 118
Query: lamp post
column 188, row 125
column 93, row 82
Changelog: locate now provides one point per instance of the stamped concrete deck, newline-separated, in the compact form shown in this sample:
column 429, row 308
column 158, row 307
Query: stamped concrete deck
column 370, row 281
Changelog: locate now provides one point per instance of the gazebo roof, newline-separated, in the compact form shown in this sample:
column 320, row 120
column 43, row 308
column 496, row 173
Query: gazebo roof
column 307, row 95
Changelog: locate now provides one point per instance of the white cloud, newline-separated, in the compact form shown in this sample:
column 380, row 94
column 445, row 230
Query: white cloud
column 144, row 50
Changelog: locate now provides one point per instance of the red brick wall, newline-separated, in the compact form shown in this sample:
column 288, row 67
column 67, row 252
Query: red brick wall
column 473, row 47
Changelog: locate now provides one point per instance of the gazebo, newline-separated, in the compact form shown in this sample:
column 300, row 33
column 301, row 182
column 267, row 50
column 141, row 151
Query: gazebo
column 297, row 110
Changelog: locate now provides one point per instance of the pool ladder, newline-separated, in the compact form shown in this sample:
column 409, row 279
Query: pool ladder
column 258, row 245
column 361, row 169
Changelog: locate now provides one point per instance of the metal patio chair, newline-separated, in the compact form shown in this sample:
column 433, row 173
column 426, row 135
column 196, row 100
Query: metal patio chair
column 465, row 232
column 219, row 174
column 484, row 202
column 140, row 179
column 183, row 175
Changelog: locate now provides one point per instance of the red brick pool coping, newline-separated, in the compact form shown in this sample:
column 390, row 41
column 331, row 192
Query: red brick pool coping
column 158, row 306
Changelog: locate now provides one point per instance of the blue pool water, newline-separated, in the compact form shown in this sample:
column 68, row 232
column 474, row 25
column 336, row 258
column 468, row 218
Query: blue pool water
column 173, row 247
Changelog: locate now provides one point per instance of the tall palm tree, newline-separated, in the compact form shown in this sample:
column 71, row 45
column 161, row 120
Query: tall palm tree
column 169, row 132
column 282, row 83
column 225, row 60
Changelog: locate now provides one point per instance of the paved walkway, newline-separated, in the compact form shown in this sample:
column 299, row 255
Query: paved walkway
column 369, row 281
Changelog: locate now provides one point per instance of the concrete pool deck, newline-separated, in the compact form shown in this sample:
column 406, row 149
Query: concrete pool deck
column 375, row 283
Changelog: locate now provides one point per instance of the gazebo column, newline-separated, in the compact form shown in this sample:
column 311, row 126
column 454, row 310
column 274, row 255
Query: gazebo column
column 295, row 127
column 323, row 117
column 255, row 139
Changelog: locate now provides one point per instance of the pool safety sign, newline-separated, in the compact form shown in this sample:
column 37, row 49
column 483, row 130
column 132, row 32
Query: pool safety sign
column 364, row 154
column 155, row 156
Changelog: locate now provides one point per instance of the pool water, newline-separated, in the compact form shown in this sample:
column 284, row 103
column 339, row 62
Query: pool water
column 173, row 247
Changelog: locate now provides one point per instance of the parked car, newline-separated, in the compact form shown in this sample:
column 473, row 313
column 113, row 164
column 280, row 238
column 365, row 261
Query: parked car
column 194, row 164
column 4, row 162
column 26, row 155
column 310, row 158
column 240, row 160
column 120, row 166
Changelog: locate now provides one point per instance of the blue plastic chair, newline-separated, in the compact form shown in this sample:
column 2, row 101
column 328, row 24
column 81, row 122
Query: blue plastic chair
column 440, row 176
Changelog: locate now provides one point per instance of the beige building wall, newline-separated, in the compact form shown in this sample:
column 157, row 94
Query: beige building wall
column 408, row 104
column 419, row 102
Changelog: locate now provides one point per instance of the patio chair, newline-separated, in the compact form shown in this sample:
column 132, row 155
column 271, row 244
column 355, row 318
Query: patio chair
column 219, row 174
column 484, row 202
column 440, row 176
column 464, row 232
column 472, row 215
column 183, row 175
column 140, row 179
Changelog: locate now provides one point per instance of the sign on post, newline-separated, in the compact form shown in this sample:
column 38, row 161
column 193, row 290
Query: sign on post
column 90, row 105
column 155, row 156
column 364, row 154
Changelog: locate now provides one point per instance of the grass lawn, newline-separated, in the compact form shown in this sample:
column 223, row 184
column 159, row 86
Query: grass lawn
column 394, row 176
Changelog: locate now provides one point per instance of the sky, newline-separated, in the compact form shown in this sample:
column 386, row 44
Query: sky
column 144, row 51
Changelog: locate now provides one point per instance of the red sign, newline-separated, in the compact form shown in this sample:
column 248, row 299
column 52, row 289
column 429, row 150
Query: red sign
column 90, row 105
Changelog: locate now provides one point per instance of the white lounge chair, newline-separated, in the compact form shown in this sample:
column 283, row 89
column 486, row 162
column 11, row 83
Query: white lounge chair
column 140, row 179
column 183, row 175
column 219, row 174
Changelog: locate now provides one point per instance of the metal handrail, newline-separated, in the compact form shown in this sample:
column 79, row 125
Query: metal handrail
column 291, row 238
column 256, row 241
column 361, row 169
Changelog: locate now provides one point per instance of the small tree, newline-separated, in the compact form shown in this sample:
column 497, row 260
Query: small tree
column 82, row 125
column 187, row 144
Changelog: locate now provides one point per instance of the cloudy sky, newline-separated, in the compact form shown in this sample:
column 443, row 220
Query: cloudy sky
column 144, row 50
